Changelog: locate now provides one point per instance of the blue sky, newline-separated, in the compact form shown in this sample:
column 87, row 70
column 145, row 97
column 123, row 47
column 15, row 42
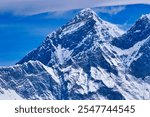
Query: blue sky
column 23, row 30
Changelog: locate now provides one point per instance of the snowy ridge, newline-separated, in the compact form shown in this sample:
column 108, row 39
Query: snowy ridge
column 84, row 15
column 24, row 81
column 113, row 30
column 102, row 27
column 130, row 54
column 71, row 28
column 138, row 32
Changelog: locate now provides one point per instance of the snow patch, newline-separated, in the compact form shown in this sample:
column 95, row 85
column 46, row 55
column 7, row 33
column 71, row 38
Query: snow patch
column 52, row 73
column 93, row 87
column 131, row 53
column 9, row 95
column 101, row 74
column 72, row 28
column 62, row 54
column 77, row 77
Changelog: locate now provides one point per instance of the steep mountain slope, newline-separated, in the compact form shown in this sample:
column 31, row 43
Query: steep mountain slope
column 138, row 32
column 135, row 48
column 78, row 35
column 78, row 61
column 31, row 80
column 141, row 67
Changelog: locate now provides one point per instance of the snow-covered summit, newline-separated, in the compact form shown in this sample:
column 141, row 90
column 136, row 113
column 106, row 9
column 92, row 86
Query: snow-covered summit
column 87, row 10
column 87, row 13
column 103, row 28
column 146, row 16
column 86, row 19
column 84, row 15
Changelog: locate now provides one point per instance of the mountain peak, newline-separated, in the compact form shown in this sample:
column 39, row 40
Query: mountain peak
column 86, row 14
column 145, row 17
column 87, row 11
column 138, row 32
column 85, row 27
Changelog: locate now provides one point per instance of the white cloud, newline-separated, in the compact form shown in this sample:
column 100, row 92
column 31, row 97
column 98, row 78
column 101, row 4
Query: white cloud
column 29, row 7
column 110, row 10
